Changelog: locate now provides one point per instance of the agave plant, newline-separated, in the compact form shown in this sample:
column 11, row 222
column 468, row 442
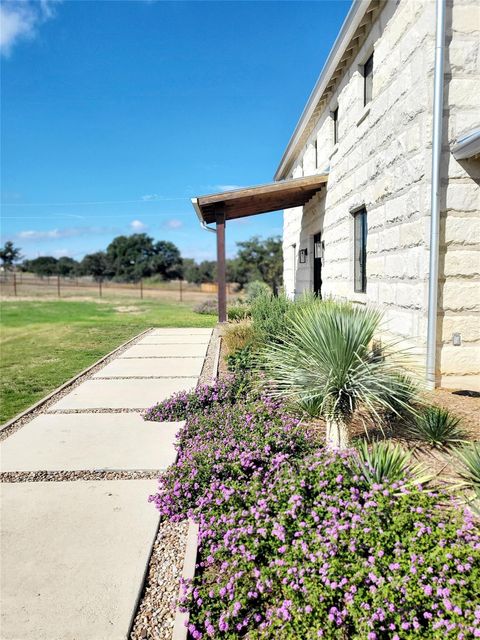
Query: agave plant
column 327, row 361
column 467, row 464
column 436, row 426
column 386, row 461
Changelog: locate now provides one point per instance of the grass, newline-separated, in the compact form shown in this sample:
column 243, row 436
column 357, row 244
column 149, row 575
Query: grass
column 44, row 343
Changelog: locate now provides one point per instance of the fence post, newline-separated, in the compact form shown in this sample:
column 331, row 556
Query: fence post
column 181, row 291
column 14, row 284
column 141, row 288
column 100, row 288
column 58, row 285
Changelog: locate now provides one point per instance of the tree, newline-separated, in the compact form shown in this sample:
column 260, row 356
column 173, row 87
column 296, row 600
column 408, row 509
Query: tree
column 259, row 259
column 167, row 261
column 96, row 265
column 137, row 256
column 9, row 254
column 42, row 266
column 190, row 271
column 67, row 267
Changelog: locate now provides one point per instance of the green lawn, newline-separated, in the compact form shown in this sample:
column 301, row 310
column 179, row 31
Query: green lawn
column 45, row 343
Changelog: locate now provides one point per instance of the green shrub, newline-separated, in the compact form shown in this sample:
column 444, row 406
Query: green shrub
column 257, row 288
column 467, row 465
column 239, row 311
column 209, row 307
column 268, row 316
column 386, row 462
column 436, row 426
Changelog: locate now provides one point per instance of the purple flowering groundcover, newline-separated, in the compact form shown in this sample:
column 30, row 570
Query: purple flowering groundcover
column 294, row 543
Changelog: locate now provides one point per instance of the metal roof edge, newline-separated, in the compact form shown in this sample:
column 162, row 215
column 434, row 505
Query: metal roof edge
column 349, row 26
column 467, row 145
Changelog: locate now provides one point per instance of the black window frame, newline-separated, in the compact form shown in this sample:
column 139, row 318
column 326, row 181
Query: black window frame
column 360, row 236
column 335, row 125
column 368, row 80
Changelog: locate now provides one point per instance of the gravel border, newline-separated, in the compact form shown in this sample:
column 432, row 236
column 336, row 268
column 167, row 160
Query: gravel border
column 67, row 476
column 155, row 615
column 42, row 405
column 104, row 410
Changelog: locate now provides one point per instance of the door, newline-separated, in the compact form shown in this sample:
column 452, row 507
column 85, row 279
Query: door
column 317, row 264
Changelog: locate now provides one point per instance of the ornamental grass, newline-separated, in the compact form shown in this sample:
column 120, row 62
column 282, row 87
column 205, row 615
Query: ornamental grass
column 295, row 543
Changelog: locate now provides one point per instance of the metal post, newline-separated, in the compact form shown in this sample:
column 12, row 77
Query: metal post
column 58, row 286
column 100, row 288
column 14, row 284
column 181, row 292
column 221, row 268
column 141, row 288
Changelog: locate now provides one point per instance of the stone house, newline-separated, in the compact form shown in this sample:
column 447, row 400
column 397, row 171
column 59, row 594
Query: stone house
column 369, row 125
column 380, row 181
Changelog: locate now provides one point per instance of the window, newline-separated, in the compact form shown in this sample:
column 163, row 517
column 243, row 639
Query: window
column 316, row 153
column 367, row 80
column 335, row 125
column 360, row 250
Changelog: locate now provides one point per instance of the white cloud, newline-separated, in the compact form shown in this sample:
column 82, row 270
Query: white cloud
column 150, row 196
column 174, row 223
column 19, row 19
column 137, row 225
column 227, row 187
column 58, row 234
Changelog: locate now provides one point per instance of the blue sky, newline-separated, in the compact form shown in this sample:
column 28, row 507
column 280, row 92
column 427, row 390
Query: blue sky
column 114, row 114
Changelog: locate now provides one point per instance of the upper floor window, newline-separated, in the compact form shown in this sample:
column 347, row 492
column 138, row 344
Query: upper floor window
column 335, row 125
column 360, row 250
column 315, row 146
column 367, row 80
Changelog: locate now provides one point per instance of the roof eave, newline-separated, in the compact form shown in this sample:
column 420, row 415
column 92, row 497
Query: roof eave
column 467, row 146
column 350, row 25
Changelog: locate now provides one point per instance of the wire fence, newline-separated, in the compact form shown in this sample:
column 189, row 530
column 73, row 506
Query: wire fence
column 25, row 285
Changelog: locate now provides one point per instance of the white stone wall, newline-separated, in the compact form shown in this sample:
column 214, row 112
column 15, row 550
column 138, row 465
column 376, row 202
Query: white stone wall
column 459, row 309
column 383, row 161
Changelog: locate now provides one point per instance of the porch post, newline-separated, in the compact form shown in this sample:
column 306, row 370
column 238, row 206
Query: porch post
column 221, row 268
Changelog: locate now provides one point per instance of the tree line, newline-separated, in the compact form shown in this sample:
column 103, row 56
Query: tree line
column 132, row 258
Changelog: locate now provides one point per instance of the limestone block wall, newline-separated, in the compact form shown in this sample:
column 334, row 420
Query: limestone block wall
column 459, row 304
column 383, row 161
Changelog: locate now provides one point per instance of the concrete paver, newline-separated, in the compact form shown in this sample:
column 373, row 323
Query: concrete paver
column 122, row 394
column 175, row 339
column 165, row 351
column 90, row 441
column 75, row 553
column 180, row 331
column 73, row 557
column 160, row 367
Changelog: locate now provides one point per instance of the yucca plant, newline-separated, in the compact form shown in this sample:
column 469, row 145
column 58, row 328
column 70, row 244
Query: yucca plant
column 436, row 426
column 327, row 362
column 467, row 465
column 384, row 461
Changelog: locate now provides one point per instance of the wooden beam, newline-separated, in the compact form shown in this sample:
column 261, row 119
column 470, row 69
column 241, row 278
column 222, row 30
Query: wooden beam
column 221, row 268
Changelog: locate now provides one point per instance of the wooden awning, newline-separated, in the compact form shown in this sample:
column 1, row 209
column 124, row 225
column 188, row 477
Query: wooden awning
column 251, row 201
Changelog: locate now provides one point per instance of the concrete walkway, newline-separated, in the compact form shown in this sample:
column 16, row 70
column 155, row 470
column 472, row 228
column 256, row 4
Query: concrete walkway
column 74, row 553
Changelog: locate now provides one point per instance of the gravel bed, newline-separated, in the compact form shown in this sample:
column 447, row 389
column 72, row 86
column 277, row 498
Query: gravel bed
column 4, row 433
column 155, row 614
column 143, row 377
column 125, row 410
column 209, row 362
column 66, row 476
